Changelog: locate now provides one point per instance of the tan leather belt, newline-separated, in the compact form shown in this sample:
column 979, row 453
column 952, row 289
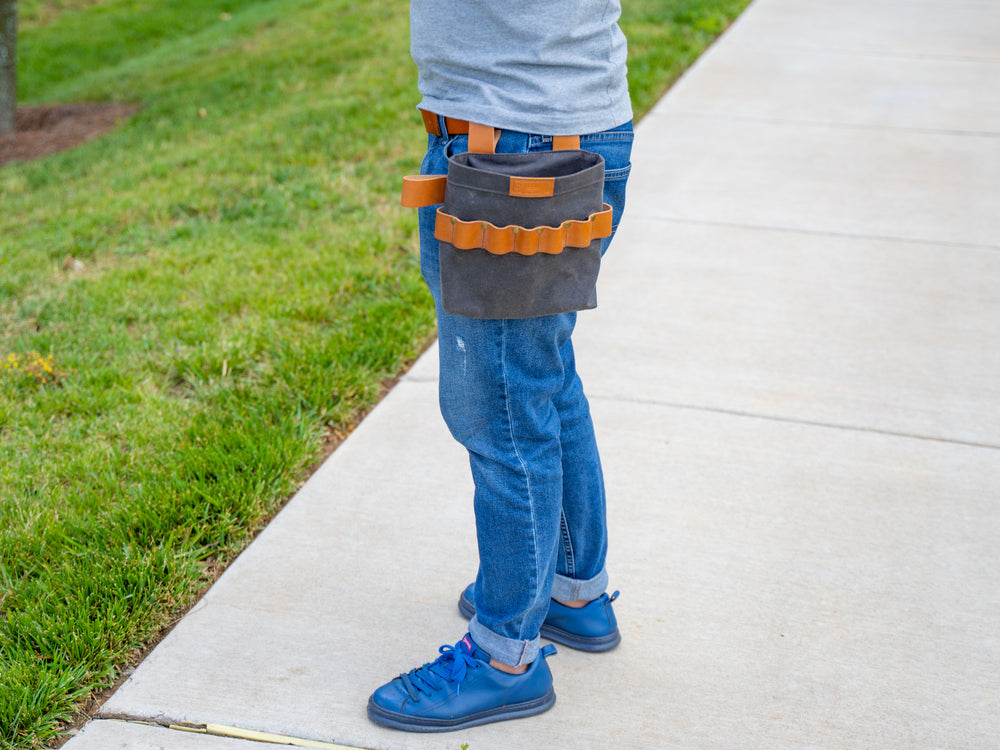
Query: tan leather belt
column 453, row 126
column 462, row 127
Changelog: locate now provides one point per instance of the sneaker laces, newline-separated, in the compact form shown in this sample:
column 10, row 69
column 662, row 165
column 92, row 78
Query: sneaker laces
column 451, row 666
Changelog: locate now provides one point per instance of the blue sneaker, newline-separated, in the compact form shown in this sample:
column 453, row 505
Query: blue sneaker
column 590, row 628
column 460, row 689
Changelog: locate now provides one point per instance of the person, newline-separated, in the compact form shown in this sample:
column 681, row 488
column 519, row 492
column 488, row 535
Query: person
column 509, row 390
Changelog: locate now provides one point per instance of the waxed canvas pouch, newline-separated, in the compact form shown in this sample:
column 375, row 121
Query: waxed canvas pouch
column 520, row 234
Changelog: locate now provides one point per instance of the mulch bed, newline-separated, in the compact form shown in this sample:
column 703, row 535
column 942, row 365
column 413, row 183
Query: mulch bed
column 46, row 129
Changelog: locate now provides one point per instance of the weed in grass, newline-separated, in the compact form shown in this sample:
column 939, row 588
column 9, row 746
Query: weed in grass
column 33, row 368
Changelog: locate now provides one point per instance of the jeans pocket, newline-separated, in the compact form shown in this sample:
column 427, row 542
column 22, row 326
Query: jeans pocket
column 616, row 148
column 614, row 192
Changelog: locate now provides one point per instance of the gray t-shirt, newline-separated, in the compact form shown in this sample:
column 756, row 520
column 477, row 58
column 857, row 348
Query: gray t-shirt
column 553, row 68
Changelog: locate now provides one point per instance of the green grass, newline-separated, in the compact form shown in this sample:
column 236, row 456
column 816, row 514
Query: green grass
column 190, row 304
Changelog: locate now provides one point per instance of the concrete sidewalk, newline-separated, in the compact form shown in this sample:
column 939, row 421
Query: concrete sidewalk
column 795, row 375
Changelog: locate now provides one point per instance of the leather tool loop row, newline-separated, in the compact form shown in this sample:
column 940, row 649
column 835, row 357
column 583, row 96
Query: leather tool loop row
column 470, row 235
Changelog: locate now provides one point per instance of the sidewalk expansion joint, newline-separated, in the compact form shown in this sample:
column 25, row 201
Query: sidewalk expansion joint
column 829, row 124
column 816, row 232
column 793, row 420
column 875, row 52
column 221, row 730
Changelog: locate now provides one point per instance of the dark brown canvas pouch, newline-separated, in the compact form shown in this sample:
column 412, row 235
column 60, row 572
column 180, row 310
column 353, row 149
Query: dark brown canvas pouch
column 519, row 235
column 478, row 283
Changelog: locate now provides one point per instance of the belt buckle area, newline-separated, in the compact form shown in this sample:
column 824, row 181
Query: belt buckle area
column 443, row 126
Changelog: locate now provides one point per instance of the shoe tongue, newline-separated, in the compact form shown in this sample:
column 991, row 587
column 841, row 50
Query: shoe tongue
column 469, row 646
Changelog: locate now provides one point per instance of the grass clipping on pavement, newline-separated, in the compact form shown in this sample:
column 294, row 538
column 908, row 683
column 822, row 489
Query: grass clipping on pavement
column 192, row 305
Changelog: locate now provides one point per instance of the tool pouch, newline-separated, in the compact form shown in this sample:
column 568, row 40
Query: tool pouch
column 520, row 234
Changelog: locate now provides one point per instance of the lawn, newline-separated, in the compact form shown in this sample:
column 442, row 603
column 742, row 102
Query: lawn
column 195, row 306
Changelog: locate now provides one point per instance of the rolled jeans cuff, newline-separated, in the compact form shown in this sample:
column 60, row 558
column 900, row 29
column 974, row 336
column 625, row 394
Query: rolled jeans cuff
column 512, row 652
column 570, row 589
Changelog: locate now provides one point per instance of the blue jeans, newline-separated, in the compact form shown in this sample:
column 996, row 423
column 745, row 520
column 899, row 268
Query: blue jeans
column 510, row 394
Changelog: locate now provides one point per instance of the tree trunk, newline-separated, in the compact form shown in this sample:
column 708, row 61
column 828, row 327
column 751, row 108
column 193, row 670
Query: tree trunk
column 8, row 64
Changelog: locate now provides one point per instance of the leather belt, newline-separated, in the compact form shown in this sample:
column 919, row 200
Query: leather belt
column 461, row 127
column 453, row 126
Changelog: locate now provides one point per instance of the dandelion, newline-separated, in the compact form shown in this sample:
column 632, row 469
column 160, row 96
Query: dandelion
column 40, row 369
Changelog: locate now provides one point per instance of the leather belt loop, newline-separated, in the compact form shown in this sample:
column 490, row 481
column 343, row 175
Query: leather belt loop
column 483, row 139
column 423, row 190
column 565, row 143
